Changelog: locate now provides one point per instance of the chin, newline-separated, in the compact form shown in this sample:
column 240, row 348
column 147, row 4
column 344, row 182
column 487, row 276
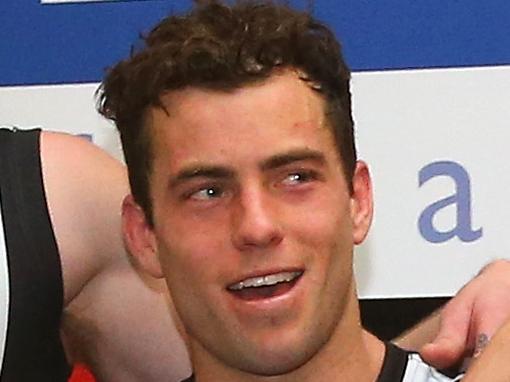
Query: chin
column 274, row 362
column 271, row 367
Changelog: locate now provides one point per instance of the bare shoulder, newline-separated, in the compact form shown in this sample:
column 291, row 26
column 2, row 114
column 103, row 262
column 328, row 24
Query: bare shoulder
column 84, row 189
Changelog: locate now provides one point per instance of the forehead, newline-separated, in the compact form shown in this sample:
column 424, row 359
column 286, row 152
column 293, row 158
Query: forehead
column 281, row 113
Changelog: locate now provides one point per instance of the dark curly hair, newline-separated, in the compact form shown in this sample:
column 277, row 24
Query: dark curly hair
column 222, row 47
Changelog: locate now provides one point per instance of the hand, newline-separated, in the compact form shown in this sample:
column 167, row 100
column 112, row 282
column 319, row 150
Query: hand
column 480, row 308
column 493, row 364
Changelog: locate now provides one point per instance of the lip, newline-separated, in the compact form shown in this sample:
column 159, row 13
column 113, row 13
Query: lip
column 262, row 273
column 273, row 306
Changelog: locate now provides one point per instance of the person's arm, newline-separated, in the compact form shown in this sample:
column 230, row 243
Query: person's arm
column 493, row 362
column 121, row 326
column 115, row 320
column 479, row 309
column 421, row 334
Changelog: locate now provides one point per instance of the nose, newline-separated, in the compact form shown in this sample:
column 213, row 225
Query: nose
column 255, row 222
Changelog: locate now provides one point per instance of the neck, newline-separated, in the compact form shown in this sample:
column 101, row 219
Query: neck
column 351, row 355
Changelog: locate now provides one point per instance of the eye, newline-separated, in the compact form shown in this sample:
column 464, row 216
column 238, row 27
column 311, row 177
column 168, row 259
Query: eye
column 206, row 193
column 299, row 177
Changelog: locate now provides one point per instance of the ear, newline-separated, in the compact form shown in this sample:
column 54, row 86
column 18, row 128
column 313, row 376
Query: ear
column 362, row 207
column 139, row 237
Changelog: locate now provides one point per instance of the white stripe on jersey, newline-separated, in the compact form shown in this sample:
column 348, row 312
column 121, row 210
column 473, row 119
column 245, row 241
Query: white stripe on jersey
column 419, row 371
column 4, row 292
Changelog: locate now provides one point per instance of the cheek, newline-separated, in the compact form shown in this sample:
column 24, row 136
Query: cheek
column 326, row 232
column 191, row 253
column 189, row 274
column 326, row 221
column 183, row 257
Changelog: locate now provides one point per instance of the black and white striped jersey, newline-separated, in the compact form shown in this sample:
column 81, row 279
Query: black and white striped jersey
column 402, row 366
column 31, row 289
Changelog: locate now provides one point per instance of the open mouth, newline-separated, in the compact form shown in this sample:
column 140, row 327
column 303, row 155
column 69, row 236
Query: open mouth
column 267, row 286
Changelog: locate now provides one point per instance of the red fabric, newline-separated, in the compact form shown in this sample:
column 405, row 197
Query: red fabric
column 81, row 374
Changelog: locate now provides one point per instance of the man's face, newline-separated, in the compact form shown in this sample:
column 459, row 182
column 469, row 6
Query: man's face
column 254, row 225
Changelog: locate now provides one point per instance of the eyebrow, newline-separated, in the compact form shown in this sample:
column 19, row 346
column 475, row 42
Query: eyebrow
column 271, row 163
column 292, row 156
column 201, row 171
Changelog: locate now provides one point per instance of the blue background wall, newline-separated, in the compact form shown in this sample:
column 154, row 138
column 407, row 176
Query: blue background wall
column 74, row 43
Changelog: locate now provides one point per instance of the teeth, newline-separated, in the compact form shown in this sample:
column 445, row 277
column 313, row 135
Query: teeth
column 268, row 280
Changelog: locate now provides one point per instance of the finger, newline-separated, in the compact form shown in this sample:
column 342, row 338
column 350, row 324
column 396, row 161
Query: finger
column 448, row 348
column 442, row 353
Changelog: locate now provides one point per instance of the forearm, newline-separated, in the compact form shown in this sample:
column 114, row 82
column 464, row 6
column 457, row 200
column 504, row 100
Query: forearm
column 420, row 334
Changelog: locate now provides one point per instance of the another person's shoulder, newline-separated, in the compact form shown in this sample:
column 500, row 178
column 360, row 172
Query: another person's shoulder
column 75, row 150
column 84, row 188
